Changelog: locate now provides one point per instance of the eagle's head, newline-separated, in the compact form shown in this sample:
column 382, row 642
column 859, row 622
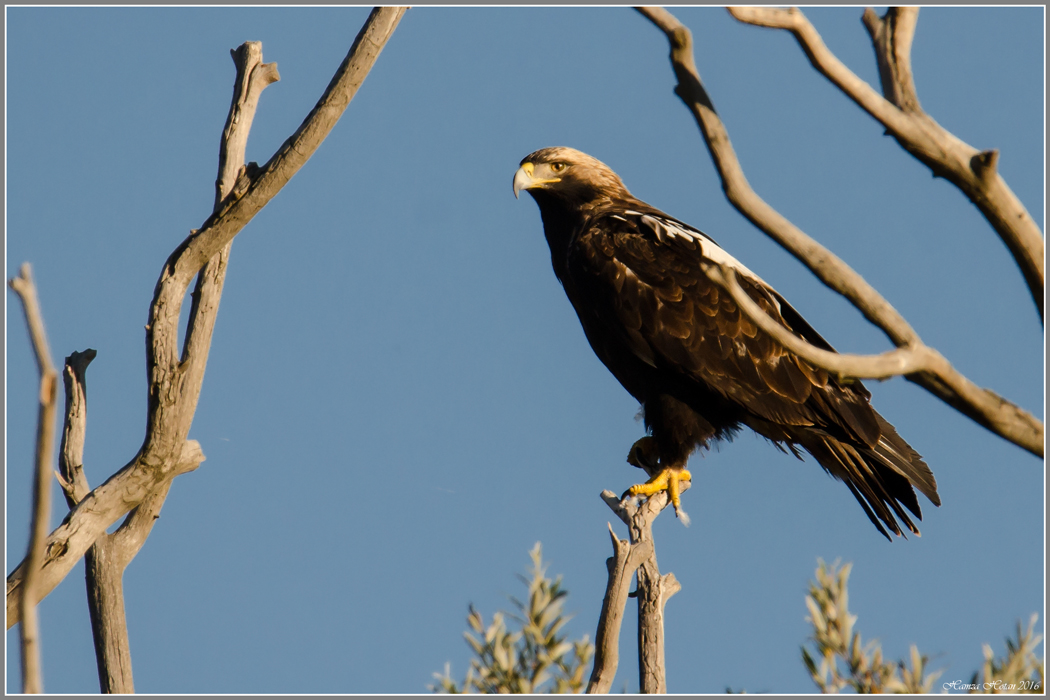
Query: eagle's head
column 566, row 177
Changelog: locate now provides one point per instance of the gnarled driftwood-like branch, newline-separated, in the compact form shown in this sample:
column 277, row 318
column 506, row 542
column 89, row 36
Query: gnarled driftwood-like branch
column 915, row 361
column 103, row 577
column 636, row 555
column 110, row 555
column 32, row 680
column 174, row 378
column 898, row 109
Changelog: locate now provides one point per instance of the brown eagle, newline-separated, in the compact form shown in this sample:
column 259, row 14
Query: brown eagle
column 700, row 369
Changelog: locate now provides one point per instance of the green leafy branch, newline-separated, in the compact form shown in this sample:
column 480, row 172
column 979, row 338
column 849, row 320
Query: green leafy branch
column 537, row 657
column 846, row 662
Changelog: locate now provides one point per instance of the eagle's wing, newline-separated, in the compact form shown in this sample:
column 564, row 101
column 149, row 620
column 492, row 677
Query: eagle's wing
column 635, row 279
column 638, row 274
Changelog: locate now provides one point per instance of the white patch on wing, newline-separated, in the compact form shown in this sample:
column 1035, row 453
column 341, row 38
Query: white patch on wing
column 708, row 248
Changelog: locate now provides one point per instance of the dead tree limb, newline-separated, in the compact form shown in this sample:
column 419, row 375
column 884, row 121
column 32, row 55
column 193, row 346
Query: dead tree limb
column 622, row 564
column 636, row 556
column 103, row 576
column 32, row 681
column 174, row 377
column 919, row 363
column 898, row 109
column 110, row 555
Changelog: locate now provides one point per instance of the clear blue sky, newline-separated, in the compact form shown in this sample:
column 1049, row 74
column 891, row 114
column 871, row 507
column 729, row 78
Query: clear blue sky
column 400, row 401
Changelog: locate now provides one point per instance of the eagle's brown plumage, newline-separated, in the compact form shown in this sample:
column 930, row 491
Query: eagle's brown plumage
column 679, row 344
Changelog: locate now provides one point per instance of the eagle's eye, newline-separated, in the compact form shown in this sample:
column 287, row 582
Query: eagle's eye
column 557, row 167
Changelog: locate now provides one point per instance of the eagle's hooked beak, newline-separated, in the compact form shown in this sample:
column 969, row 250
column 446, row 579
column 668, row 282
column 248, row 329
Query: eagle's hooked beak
column 524, row 180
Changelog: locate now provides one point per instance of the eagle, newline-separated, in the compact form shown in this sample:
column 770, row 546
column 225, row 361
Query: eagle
column 700, row 369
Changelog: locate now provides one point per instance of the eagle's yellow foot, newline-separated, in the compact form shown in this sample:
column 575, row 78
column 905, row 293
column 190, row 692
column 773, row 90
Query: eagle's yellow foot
column 667, row 480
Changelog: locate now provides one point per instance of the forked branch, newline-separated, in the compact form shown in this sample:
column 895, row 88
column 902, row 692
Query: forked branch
column 898, row 109
column 110, row 555
column 636, row 555
column 174, row 377
column 913, row 359
column 103, row 577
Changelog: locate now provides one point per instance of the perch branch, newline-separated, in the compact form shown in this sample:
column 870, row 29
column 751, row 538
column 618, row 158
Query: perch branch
column 638, row 555
column 898, row 109
column 174, row 381
column 622, row 565
column 32, row 681
column 936, row 375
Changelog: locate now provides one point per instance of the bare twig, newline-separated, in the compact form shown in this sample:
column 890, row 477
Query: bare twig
column 637, row 555
column 32, row 681
column 918, row 363
column 252, row 77
column 898, row 109
column 174, row 380
column 71, row 454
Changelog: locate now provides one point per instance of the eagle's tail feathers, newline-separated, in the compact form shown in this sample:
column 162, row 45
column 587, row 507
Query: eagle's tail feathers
column 899, row 456
column 879, row 487
column 867, row 510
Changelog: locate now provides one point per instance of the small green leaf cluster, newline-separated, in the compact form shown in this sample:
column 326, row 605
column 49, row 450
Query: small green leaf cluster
column 1020, row 671
column 846, row 662
column 537, row 658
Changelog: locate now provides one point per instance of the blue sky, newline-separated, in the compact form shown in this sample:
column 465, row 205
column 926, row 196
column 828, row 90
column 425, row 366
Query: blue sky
column 399, row 400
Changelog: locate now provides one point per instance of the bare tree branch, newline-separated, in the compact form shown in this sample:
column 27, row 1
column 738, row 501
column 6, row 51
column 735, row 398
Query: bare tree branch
column 629, row 557
column 32, row 681
column 828, row 267
column 110, row 555
column 970, row 170
column 653, row 593
column 103, row 575
column 919, row 364
column 622, row 565
column 892, row 37
column 174, row 380
column 902, row 360
column 71, row 475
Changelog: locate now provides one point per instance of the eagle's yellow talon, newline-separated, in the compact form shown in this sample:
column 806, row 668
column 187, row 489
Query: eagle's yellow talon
column 667, row 480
